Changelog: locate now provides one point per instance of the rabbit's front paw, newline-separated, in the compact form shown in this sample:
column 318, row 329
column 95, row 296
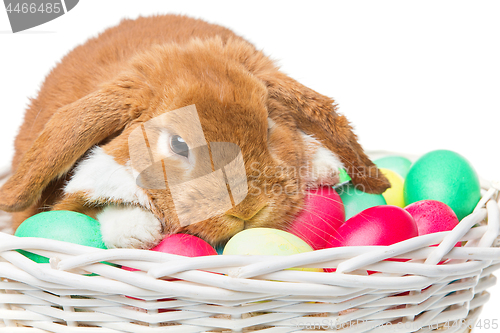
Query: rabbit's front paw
column 129, row 227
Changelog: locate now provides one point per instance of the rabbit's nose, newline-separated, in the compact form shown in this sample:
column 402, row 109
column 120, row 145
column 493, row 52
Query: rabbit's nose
column 246, row 213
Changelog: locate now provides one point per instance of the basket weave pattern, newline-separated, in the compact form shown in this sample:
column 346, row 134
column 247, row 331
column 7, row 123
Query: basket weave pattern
column 441, row 288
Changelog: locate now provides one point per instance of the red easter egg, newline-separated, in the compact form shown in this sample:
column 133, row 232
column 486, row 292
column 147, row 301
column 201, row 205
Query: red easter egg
column 322, row 215
column 379, row 225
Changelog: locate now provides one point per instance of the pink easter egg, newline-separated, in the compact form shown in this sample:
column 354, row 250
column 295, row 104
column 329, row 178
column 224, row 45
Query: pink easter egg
column 379, row 225
column 432, row 216
column 185, row 245
column 323, row 214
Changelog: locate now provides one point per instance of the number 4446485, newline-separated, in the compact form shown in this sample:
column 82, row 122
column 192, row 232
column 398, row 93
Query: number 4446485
column 44, row 7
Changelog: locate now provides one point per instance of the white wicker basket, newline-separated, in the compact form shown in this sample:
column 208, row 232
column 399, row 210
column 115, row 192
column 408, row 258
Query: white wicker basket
column 255, row 293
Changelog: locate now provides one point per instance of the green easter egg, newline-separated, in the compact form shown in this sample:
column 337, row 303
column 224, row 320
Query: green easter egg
column 356, row 200
column 219, row 249
column 444, row 176
column 399, row 164
column 61, row 225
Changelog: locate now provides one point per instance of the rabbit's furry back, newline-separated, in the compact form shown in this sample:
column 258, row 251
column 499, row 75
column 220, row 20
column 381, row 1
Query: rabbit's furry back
column 131, row 73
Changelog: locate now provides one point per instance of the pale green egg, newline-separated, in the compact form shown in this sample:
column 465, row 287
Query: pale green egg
column 61, row 225
column 356, row 200
column 399, row 164
column 444, row 176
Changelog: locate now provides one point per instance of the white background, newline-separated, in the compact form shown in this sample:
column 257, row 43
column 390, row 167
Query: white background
column 411, row 76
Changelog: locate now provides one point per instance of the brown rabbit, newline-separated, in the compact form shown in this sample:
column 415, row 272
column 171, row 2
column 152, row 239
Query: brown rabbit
column 74, row 149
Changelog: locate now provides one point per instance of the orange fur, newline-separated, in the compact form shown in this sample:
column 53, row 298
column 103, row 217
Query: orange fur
column 102, row 90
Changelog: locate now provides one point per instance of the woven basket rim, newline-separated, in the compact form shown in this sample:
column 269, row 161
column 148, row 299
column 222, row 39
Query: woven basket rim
column 436, row 285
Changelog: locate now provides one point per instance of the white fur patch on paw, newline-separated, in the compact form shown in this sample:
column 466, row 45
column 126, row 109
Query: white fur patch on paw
column 129, row 227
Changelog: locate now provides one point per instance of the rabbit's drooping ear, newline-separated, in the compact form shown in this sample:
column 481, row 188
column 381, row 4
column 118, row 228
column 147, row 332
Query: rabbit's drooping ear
column 316, row 115
column 69, row 133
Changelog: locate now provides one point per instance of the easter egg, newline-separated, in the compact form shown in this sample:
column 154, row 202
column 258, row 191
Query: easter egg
column 379, row 225
column 399, row 164
column 220, row 249
column 267, row 242
column 393, row 195
column 356, row 200
column 182, row 245
column 61, row 225
column 432, row 216
column 323, row 213
column 444, row 176
column 185, row 245
column 344, row 178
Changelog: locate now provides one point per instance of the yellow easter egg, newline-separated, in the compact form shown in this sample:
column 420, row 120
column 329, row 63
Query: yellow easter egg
column 267, row 241
column 394, row 195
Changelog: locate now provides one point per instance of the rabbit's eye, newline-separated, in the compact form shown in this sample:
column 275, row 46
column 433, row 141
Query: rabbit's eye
column 179, row 146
